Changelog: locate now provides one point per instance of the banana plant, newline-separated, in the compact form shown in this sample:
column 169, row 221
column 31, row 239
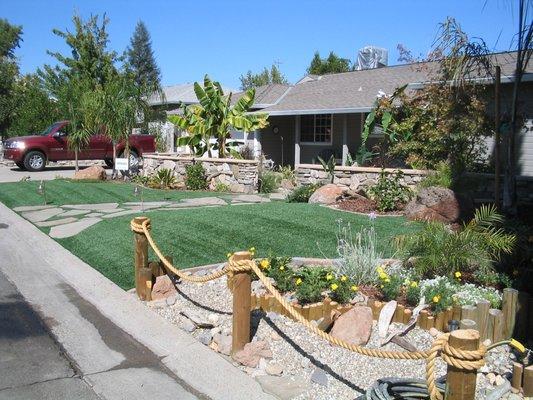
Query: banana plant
column 214, row 117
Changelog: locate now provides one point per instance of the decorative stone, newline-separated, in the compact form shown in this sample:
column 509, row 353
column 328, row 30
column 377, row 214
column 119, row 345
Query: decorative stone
column 354, row 326
column 72, row 229
column 327, row 194
column 274, row 369
column 223, row 343
column 163, row 288
column 320, row 377
column 187, row 325
column 171, row 300
column 253, row 352
column 42, row 215
column 283, row 388
column 197, row 318
column 214, row 319
column 205, row 338
column 95, row 172
column 439, row 204
column 434, row 332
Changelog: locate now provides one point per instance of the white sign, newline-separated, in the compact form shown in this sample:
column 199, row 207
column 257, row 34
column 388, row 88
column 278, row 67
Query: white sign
column 122, row 164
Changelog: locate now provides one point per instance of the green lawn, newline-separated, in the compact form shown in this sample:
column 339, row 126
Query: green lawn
column 64, row 191
column 205, row 235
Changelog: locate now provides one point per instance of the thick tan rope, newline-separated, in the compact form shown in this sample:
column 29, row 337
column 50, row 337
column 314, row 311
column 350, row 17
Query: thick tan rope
column 462, row 359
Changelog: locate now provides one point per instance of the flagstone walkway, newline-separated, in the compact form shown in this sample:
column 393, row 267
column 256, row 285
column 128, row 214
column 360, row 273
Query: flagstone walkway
column 70, row 219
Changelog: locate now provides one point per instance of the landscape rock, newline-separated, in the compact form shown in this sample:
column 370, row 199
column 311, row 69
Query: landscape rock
column 214, row 319
column 320, row 377
column 283, row 388
column 354, row 326
column 95, row 172
column 253, row 352
column 171, row 300
column 163, row 288
column 439, row 204
column 197, row 318
column 187, row 325
column 274, row 369
column 327, row 194
column 205, row 337
column 434, row 332
column 223, row 343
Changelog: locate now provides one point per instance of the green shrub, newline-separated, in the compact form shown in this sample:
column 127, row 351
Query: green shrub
column 140, row 180
column 438, row 292
column 342, row 289
column 412, row 293
column 164, row 178
column 437, row 250
column 287, row 173
column 441, row 177
column 311, row 282
column 302, row 193
column 222, row 187
column 470, row 294
column 278, row 268
column 389, row 192
column 391, row 287
column 328, row 167
column 195, row 178
column 358, row 254
column 269, row 181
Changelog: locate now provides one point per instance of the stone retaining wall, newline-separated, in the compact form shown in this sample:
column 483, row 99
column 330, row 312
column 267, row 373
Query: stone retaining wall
column 483, row 187
column 241, row 176
column 353, row 177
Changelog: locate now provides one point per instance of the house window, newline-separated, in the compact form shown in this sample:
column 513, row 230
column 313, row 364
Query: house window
column 315, row 128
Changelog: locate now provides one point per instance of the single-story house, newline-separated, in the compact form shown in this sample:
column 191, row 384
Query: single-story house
column 324, row 115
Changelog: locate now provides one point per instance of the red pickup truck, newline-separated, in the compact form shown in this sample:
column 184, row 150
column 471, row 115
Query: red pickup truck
column 33, row 152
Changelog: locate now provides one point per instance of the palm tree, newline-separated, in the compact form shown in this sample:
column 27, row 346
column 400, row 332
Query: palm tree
column 215, row 117
column 115, row 109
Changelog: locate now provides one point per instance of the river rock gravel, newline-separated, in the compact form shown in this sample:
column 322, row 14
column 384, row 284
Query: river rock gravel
column 298, row 354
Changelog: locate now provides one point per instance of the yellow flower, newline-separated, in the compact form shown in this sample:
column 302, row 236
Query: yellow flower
column 387, row 280
column 264, row 263
column 354, row 288
column 282, row 268
column 329, row 277
column 252, row 250
column 229, row 255
column 334, row 286
column 457, row 274
column 414, row 284
column 383, row 275
column 344, row 278
column 299, row 281
column 436, row 299
column 380, row 270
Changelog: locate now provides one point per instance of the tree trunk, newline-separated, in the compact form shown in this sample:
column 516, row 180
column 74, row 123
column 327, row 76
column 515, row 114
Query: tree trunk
column 76, row 167
column 113, row 174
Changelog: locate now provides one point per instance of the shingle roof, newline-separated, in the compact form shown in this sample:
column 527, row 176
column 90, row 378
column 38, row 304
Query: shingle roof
column 178, row 93
column 356, row 91
column 265, row 95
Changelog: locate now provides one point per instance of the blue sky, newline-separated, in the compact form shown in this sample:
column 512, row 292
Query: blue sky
column 226, row 38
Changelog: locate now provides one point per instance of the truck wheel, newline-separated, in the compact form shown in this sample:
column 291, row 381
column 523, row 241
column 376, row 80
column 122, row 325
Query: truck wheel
column 34, row 161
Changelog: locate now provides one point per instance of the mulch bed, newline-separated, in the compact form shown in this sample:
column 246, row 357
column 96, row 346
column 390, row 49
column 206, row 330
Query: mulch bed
column 363, row 205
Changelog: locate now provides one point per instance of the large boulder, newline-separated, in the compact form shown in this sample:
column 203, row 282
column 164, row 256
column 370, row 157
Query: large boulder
column 354, row 326
column 163, row 288
column 327, row 194
column 439, row 204
column 95, row 172
column 253, row 352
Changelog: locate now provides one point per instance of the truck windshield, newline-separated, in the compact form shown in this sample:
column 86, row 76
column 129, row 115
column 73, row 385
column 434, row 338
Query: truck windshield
column 50, row 128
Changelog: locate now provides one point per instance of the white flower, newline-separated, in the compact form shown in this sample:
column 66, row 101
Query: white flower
column 381, row 94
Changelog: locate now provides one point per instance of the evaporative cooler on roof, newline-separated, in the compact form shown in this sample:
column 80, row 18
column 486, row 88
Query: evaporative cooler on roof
column 372, row 57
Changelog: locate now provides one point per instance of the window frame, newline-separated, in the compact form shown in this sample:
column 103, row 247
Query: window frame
column 315, row 143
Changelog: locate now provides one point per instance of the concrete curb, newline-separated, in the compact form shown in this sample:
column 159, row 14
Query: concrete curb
column 198, row 366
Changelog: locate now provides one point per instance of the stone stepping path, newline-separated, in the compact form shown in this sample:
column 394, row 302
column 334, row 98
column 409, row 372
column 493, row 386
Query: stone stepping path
column 70, row 219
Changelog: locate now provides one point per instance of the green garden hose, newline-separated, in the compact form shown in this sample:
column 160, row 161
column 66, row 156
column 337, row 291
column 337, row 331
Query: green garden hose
column 414, row 389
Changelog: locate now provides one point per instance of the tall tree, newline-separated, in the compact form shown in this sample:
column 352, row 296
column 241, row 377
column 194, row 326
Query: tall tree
column 141, row 61
column 33, row 108
column 251, row 80
column 10, row 38
column 331, row 65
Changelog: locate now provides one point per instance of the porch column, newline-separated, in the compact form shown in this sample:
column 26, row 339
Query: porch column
column 344, row 138
column 297, row 140
column 257, row 143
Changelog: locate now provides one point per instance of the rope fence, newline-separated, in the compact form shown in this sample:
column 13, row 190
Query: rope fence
column 460, row 349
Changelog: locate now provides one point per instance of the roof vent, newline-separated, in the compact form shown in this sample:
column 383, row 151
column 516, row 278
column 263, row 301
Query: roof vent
column 372, row 57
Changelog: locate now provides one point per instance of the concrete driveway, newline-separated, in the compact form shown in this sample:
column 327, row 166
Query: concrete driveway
column 15, row 174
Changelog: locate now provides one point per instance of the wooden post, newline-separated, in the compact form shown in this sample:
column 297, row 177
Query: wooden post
column 461, row 384
column 456, row 312
column 528, row 382
column 242, row 292
column 483, row 318
column 518, row 371
column 469, row 312
column 141, row 261
column 509, row 306
column 468, row 324
column 496, row 324
column 422, row 321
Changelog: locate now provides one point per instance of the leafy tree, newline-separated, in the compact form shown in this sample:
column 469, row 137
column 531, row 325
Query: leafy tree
column 214, row 117
column 33, row 109
column 251, row 80
column 141, row 61
column 331, row 65
column 10, row 38
column 114, row 108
